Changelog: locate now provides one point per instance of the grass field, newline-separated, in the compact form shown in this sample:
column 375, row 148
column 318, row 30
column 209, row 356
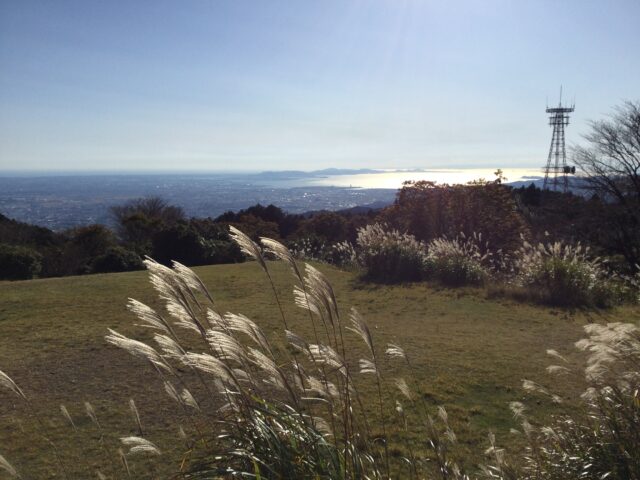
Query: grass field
column 469, row 353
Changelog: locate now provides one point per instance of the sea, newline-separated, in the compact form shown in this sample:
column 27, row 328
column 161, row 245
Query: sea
column 61, row 200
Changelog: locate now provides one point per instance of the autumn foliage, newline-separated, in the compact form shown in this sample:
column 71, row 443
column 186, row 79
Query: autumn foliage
column 429, row 211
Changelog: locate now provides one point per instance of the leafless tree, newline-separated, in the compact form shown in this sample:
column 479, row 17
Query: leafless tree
column 611, row 165
column 611, row 161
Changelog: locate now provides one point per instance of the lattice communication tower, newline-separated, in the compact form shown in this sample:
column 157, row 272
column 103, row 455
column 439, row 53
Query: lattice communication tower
column 556, row 173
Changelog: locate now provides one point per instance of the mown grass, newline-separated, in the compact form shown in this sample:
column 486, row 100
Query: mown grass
column 469, row 353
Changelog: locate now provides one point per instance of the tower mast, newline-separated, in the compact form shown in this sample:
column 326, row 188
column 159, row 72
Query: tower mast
column 556, row 171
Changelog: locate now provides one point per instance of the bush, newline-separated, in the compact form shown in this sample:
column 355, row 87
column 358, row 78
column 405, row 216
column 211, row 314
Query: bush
column 18, row 263
column 308, row 248
column 342, row 254
column 564, row 275
column 116, row 259
column 389, row 256
column 457, row 262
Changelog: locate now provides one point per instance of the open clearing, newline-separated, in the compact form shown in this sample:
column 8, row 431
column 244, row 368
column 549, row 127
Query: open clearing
column 469, row 353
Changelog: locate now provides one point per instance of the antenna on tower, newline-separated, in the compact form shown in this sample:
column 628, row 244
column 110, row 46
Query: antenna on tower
column 560, row 104
column 556, row 172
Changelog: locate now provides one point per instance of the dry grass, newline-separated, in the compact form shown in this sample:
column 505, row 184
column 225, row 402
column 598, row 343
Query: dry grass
column 469, row 353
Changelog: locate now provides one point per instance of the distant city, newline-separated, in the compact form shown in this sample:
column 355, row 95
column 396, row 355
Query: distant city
column 64, row 200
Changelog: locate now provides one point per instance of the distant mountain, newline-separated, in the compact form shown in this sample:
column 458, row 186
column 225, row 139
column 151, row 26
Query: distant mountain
column 297, row 174
column 577, row 185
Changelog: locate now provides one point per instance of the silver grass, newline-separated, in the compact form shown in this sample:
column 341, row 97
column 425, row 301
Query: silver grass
column 148, row 315
column 442, row 413
column 229, row 407
column 210, row 364
column 530, row 386
column 557, row 369
column 189, row 400
column 322, row 388
column 306, row 301
column 583, row 344
column 91, row 413
column 172, row 392
column 401, row 384
column 450, row 435
column 241, row 324
column 226, row 347
column 65, row 414
column 555, row 354
column 518, row 409
column 192, row 280
column 265, row 363
column 183, row 316
column 170, row 348
column 549, row 432
column 394, row 351
column 241, row 375
column 139, row 445
column 360, row 327
column 590, row 394
column 367, row 366
column 125, row 464
column 136, row 414
column 9, row 384
column 7, row 467
column 318, row 284
column 614, row 343
column 275, row 382
column 325, row 355
column 280, row 251
column 137, row 349
column 322, row 426
column 492, row 443
column 298, row 380
column 214, row 319
column 162, row 278
column 175, row 291
column 296, row 341
column 248, row 246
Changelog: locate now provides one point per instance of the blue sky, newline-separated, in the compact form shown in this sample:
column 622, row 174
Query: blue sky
column 255, row 85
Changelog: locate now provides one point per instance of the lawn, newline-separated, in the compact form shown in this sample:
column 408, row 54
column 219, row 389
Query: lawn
column 470, row 354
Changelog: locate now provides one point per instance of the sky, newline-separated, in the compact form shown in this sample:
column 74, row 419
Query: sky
column 305, row 84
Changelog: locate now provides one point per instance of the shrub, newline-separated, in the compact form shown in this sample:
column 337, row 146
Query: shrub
column 389, row 256
column 342, row 254
column 18, row 263
column 457, row 261
column 564, row 275
column 116, row 259
column 308, row 248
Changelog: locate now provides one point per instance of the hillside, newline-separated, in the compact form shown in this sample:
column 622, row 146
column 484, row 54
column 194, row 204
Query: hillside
column 469, row 352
